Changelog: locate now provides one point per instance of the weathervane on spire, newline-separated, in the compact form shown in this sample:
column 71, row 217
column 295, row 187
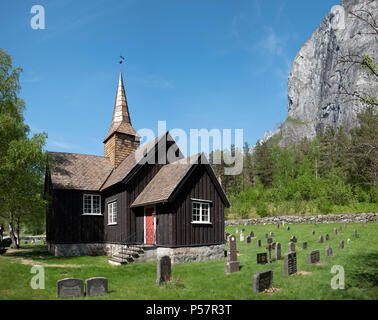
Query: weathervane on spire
column 122, row 58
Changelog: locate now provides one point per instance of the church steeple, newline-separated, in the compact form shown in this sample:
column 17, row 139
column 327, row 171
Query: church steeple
column 121, row 139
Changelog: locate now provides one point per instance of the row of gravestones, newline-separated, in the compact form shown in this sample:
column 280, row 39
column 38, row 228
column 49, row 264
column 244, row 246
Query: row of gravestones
column 264, row 280
column 73, row 287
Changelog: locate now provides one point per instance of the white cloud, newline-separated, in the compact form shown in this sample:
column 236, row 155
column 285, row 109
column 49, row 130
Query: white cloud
column 271, row 42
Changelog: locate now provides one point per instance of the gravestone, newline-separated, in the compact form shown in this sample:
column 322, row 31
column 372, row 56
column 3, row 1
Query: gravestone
column 248, row 239
column 290, row 263
column 243, row 230
column 321, row 240
column 328, row 251
column 340, row 228
column 236, row 230
column 293, row 239
column 266, row 236
column 263, row 281
column 232, row 264
column 163, row 270
column 355, row 233
column 96, row 286
column 273, row 245
column 326, row 237
column 278, row 226
column 271, row 234
column 288, row 228
column 241, row 236
column 291, row 246
column 348, row 241
column 269, row 240
column 259, row 243
column 335, row 231
column 313, row 232
column 304, row 245
column 341, row 245
column 345, row 225
column 262, row 258
column 70, row 287
column 278, row 251
column 252, row 234
column 313, row 257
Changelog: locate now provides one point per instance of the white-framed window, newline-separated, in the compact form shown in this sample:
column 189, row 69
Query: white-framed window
column 112, row 212
column 200, row 212
column 92, row 204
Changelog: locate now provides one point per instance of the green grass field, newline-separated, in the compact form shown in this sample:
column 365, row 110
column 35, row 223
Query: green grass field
column 207, row 280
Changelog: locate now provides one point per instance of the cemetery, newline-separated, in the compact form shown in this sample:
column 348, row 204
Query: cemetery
column 247, row 271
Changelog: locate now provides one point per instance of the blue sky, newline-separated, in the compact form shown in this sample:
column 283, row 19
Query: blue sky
column 193, row 63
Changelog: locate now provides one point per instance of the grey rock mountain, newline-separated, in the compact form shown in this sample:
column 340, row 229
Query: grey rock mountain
column 316, row 76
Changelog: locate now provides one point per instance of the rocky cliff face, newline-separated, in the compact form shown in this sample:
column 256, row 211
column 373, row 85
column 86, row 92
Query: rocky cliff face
column 315, row 79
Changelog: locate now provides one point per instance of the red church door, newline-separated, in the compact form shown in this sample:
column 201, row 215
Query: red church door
column 149, row 226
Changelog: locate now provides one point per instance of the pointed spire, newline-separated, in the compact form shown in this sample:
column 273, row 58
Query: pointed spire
column 121, row 118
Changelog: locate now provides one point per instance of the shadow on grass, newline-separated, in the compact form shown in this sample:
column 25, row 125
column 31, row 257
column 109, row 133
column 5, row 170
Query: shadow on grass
column 364, row 270
column 36, row 252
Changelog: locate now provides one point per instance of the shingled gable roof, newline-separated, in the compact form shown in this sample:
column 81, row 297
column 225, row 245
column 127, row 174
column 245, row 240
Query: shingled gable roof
column 130, row 162
column 79, row 171
column 163, row 186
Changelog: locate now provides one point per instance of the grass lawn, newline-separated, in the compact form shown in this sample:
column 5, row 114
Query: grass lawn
column 207, row 280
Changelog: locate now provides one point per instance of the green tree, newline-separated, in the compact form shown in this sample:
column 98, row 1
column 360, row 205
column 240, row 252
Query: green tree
column 22, row 159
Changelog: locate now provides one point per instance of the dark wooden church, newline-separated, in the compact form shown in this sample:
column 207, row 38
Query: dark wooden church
column 132, row 204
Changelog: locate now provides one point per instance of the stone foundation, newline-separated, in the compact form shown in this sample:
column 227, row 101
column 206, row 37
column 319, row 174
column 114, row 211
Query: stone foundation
column 189, row 254
column 177, row 255
column 77, row 249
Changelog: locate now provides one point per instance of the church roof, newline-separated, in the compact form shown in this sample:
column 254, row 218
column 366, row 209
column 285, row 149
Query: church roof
column 166, row 181
column 79, row 171
column 121, row 117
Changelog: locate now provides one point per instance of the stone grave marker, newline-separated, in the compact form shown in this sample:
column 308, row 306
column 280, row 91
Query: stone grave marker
column 273, row 245
column 232, row 264
column 321, row 239
column 163, row 270
column 340, row 228
column 348, row 241
column 355, row 233
column 278, row 226
column 293, row 239
column 304, row 245
column 328, row 251
column 259, row 243
column 248, row 240
column 96, row 286
column 326, row 237
column 341, row 245
column 278, row 251
column 243, row 230
column 236, row 230
column 70, row 287
column 252, row 234
column 345, row 225
column 291, row 246
column 262, row 281
column 313, row 232
column 287, row 228
column 271, row 234
column 262, row 258
column 335, row 231
column 290, row 263
column 269, row 240
column 266, row 236
column 313, row 257
column 241, row 236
